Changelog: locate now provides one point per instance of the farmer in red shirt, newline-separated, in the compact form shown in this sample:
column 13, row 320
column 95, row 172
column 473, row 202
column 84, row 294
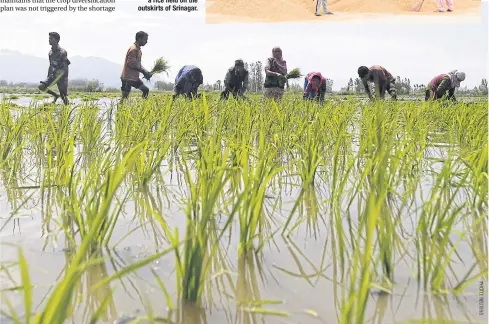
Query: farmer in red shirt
column 443, row 86
column 382, row 79
column 314, row 86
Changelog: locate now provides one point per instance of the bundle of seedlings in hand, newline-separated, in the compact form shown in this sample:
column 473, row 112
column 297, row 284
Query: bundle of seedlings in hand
column 294, row 74
column 160, row 66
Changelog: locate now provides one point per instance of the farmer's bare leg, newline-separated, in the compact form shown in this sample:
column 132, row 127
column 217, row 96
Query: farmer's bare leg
column 44, row 88
column 125, row 95
column 145, row 91
column 63, row 90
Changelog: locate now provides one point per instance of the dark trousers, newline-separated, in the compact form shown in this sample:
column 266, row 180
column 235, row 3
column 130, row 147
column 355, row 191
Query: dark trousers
column 236, row 92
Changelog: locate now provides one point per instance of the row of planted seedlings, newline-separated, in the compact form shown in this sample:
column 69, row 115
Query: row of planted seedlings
column 228, row 155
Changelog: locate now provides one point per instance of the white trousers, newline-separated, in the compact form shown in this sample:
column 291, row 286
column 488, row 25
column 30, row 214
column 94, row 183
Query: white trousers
column 442, row 3
column 324, row 3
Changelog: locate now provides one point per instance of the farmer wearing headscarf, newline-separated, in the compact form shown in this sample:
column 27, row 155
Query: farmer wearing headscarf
column 382, row 79
column 275, row 75
column 236, row 81
column 188, row 80
column 443, row 86
column 314, row 86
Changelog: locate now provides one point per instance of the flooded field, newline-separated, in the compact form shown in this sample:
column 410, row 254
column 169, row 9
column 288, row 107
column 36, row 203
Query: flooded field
column 250, row 212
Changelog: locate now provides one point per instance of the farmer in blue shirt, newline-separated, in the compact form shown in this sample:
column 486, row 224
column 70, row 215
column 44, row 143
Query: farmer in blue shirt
column 188, row 80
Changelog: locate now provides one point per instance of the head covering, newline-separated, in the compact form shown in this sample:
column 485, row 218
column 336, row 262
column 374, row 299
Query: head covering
column 456, row 77
column 239, row 63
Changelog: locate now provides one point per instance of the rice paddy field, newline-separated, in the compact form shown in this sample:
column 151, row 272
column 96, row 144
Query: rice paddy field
column 243, row 212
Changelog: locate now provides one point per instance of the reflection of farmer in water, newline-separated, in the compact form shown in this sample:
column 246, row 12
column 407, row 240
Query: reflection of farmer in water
column 58, row 70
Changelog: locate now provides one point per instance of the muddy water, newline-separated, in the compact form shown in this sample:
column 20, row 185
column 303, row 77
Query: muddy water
column 300, row 274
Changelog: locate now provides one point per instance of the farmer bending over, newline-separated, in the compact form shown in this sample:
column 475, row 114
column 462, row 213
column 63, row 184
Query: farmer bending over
column 188, row 80
column 58, row 70
column 443, row 86
column 132, row 68
column 314, row 86
column 236, row 81
column 382, row 79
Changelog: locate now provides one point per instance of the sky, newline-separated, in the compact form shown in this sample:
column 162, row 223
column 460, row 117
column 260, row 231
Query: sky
column 415, row 48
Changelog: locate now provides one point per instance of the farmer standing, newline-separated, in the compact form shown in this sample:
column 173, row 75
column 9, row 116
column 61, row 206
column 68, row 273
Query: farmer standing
column 324, row 3
column 236, row 81
column 275, row 75
column 58, row 70
column 442, row 3
column 382, row 79
column 443, row 86
column 132, row 68
column 188, row 80
column 314, row 86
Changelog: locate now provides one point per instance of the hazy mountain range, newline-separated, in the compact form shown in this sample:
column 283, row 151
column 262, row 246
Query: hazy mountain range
column 18, row 67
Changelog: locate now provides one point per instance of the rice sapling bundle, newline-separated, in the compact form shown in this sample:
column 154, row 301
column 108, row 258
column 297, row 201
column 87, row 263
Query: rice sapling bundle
column 293, row 74
column 160, row 66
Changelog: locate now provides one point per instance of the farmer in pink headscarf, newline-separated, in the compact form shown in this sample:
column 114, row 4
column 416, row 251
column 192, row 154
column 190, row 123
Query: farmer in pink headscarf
column 275, row 75
column 442, row 3
column 314, row 86
column 443, row 86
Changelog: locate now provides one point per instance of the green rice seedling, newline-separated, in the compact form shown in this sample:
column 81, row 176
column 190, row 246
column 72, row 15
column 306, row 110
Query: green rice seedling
column 91, row 128
column 11, row 133
column 160, row 65
column 294, row 74
column 87, row 197
column 255, row 177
